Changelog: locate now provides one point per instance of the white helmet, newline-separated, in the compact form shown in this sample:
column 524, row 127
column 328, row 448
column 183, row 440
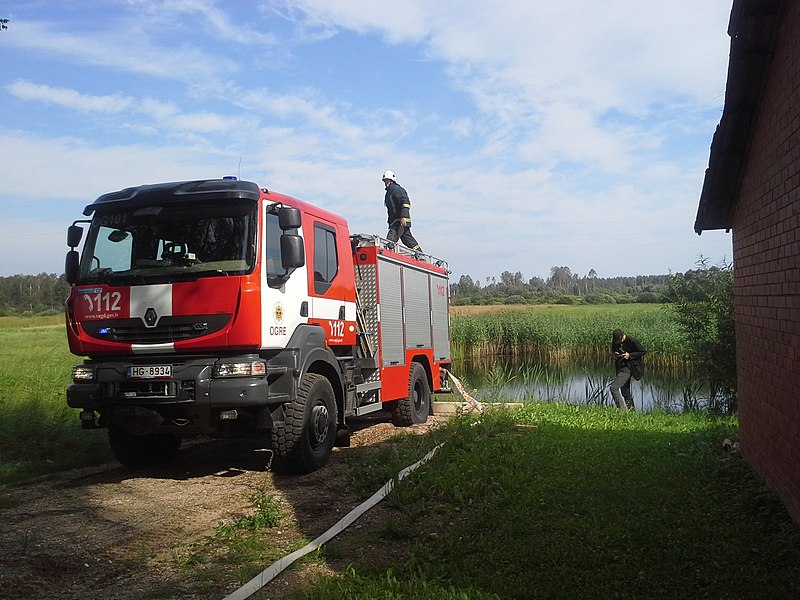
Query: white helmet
column 389, row 175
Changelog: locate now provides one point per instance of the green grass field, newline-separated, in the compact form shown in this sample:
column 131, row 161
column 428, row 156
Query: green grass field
column 556, row 501
column 39, row 433
column 546, row 501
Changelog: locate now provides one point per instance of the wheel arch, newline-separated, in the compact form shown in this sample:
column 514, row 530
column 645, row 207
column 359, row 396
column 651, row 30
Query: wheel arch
column 424, row 362
column 326, row 369
column 314, row 356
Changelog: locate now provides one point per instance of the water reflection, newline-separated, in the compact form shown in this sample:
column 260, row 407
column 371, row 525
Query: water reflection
column 583, row 381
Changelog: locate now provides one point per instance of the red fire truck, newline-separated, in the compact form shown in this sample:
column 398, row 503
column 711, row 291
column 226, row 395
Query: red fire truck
column 220, row 308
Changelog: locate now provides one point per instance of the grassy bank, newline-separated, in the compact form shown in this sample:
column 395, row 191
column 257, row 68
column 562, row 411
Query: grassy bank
column 39, row 433
column 35, row 364
column 550, row 330
column 552, row 501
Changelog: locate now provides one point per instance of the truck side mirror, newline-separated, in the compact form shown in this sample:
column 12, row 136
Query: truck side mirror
column 292, row 257
column 74, row 235
column 289, row 218
column 292, row 253
column 71, row 266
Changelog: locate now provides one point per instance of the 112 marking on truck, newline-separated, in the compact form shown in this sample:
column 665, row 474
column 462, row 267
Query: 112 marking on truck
column 219, row 308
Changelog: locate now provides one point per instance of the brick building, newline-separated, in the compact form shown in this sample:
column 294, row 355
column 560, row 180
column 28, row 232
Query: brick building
column 752, row 188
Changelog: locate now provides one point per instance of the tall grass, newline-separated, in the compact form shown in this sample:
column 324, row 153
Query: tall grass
column 553, row 332
column 39, row 433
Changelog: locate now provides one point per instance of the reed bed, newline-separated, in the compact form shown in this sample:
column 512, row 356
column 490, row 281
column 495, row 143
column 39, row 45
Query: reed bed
column 560, row 332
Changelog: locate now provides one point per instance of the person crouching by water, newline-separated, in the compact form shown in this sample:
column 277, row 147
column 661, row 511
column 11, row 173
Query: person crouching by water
column 627, row 353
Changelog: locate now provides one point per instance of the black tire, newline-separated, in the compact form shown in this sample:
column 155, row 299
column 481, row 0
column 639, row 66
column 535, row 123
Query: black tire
column 138, row 451
column 305, row 440
column 416, row 407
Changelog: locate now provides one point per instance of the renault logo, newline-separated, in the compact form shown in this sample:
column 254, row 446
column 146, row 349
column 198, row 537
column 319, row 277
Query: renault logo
column 150, row 317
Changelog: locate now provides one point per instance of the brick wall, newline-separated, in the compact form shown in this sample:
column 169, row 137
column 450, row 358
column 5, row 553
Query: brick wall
column 766, row 252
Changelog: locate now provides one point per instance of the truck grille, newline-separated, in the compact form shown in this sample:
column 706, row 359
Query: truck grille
column 169, row 329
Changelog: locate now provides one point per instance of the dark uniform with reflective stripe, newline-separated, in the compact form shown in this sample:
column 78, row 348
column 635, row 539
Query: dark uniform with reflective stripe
column 398, row 207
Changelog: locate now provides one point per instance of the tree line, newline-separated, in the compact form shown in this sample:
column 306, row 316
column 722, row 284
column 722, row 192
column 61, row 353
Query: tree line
column 45, row 293
column 561, row 287
column 28, row 295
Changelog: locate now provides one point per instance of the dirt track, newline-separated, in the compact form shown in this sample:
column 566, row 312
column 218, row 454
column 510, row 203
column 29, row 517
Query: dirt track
column 105, row 532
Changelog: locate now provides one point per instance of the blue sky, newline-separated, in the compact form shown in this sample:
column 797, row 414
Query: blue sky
column 528, row 134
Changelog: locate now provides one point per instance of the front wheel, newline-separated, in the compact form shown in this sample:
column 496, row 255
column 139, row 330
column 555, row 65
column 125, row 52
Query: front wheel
column 138, row 451
column 305, row 440
column 415, row 407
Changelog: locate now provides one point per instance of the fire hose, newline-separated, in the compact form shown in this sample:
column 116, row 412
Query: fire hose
column 260, row 580
column 268, row 574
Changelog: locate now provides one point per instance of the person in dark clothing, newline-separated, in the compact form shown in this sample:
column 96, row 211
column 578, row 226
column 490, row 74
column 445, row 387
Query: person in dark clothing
column 627, row 353
column 398, row 207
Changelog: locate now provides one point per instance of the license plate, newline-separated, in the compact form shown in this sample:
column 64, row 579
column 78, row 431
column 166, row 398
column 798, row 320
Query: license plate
column 150, row 372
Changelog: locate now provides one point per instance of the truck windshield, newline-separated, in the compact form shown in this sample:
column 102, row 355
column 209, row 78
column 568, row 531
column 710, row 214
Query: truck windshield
column 170, row 242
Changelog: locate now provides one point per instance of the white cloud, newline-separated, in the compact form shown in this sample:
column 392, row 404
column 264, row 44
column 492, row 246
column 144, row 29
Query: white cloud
column 212, row 19
column 529, row 64
column 403, row 21
column 128, row 50
column 25, row 90
column 79, row 170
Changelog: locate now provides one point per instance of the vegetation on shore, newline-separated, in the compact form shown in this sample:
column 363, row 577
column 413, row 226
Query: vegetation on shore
column 549, row 330
column 695, row 327
column 556, row 501
column 552, row 501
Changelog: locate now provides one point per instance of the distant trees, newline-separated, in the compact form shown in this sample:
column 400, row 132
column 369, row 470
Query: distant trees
column 561, row 287
column 32, row 294
column 46, row 292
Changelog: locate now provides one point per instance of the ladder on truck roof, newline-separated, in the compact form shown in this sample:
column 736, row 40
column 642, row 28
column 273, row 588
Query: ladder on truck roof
column 360, row 240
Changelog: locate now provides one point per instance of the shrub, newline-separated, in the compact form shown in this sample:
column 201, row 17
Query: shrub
column 702, row 303
column 598, row 298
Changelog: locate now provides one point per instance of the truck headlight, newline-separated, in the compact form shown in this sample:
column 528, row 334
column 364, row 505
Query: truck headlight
column 254, row 368
column 82, row 373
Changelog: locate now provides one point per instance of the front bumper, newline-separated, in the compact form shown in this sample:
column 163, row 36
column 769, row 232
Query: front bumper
column 190, row 401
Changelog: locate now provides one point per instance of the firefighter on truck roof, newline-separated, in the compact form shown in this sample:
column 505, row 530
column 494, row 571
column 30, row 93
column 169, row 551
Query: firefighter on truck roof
column 398, row 207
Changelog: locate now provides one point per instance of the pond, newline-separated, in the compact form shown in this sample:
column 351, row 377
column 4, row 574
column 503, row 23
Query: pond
column 583, row 381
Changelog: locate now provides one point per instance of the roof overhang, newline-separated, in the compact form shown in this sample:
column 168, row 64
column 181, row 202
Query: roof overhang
column 753, row 28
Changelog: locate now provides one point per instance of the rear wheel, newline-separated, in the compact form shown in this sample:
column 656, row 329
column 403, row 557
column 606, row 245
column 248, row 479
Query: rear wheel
column 415, row 407
column 305, row 440
column 137, row 451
